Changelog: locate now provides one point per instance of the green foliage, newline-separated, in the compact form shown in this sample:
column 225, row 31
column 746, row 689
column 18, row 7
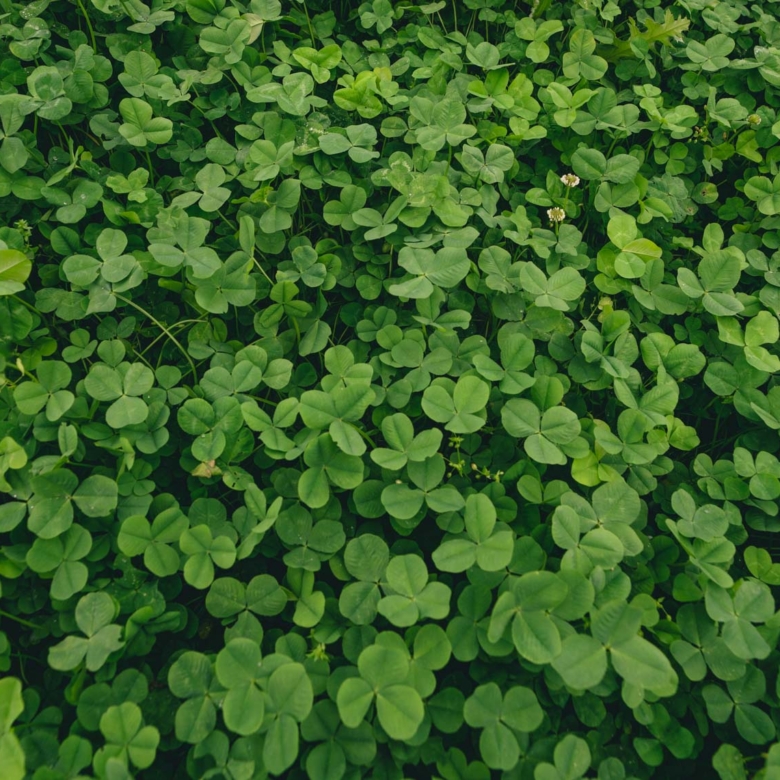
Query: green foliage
column 389, row 390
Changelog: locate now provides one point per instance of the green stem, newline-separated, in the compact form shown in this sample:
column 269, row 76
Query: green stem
column 365, row 436
column 261, row 269
column 164, row 330
column 89, row 25
column 211, row 121
column 151, row 169
column 226, row 220
column 28, row 305
column 612, row 145
column 264, row 401
column 181, row 323
column 19, row 620
column 308, row 21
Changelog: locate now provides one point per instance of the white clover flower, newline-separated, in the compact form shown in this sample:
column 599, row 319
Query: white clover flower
column 754, row 119
column 556, row 214
column 570, row 180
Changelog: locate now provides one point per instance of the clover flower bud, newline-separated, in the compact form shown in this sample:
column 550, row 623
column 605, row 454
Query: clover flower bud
column 556, row 214
column 570, row 180
column 754, row 119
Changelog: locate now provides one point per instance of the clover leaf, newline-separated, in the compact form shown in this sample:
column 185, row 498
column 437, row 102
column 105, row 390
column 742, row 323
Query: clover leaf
column 405, row 446
column 154, row 540
column 498, row 716
column 410, row 596
column 139, row 128
column 12, row 754
column 460, row 405
column 365, row 558
column 15, row 269
column 404, row 503
column 53, row 376
column 572, row 758
column 63, row 556
column 383, row 673
column 123, row 385
column 545, row 433
column 94, row 615
column 488, row 547
column 191, row 677
column 127, row 739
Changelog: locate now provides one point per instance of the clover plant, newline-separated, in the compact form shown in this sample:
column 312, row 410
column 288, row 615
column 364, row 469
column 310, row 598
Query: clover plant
column 389, row 390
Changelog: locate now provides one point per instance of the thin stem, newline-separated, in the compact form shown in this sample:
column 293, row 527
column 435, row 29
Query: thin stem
column 181, row 323
column 151, row 168
column 89, row 25
column 211, row 121
column 143, row 359
column 261, row 269
column 19, row 620
column 164, row 330
column 226, row 220
column 365, row 436
column 308, row 21
column 28, row 305
column 264, row 400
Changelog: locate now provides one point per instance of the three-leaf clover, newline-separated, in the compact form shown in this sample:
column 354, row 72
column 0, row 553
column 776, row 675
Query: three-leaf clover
column 443, row 122
column 405, row 446
column 55, row 493
column 546, row 434
column 759, row 330
column 123, row 385
column 238, row 669
column 127, row 739
column 564, row 286
column 460, row 405
column 119, row 269
column 499, row 716
column 155, row 540
column 572, row 760
column 635, row 252
column 403, row 502
column 717, row 275
column 63, row 556
column 751, row 603
column 410, row 596
column 365, row 558
column 429, row 269
column 485, row 544
column 525, row 608
column 191, row 677
column 384, row 671
column 94, row 615
column 203, row 552
column 53, row 376
column 139, row 128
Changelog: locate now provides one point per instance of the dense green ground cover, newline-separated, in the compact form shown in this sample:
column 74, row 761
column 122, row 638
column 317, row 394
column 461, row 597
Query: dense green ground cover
column 388, row 390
